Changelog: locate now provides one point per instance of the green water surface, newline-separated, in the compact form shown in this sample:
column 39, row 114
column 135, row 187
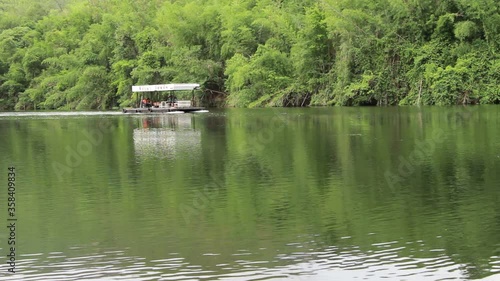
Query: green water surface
column 255, row 194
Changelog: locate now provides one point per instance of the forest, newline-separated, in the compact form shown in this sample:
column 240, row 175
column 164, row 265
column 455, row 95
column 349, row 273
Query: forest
column 86, row 54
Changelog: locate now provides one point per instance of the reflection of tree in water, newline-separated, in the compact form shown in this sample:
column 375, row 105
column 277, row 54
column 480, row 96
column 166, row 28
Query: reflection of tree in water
column 444, row 218
column 166, row 136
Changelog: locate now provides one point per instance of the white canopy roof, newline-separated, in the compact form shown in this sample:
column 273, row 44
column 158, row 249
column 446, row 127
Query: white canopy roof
column 165, row 87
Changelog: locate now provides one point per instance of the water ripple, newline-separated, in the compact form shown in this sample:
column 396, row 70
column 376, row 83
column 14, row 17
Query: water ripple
column 385, row 261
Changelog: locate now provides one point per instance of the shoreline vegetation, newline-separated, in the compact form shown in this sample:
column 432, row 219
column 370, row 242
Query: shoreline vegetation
column 87, row 54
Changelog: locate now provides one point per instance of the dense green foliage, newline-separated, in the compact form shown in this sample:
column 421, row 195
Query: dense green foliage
column 80, row 54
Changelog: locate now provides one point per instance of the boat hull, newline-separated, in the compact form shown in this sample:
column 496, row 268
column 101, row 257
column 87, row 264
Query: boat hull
column 161, row 110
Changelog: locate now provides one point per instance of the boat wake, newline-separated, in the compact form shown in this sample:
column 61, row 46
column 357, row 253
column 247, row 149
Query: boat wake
column 58, row 113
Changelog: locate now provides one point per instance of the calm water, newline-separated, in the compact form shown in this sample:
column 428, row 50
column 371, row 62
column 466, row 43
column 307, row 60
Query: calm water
column 265, row 194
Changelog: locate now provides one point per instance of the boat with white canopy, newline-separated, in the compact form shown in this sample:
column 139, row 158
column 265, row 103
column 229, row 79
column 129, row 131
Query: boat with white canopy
column 162, row 99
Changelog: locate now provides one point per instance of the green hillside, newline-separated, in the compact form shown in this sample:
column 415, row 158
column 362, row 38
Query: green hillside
column 86, row 54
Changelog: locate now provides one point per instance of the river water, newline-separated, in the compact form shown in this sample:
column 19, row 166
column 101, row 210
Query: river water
column 401, row 193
